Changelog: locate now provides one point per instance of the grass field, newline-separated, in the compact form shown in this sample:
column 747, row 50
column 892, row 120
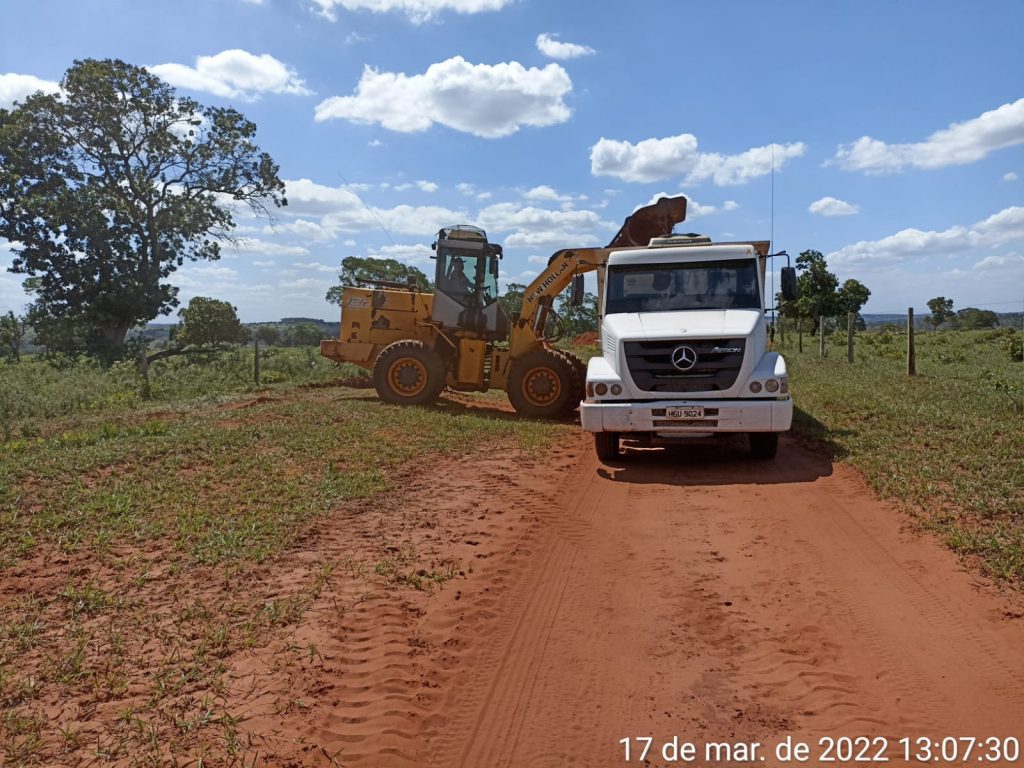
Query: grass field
column 142, row 542
column 948, row 443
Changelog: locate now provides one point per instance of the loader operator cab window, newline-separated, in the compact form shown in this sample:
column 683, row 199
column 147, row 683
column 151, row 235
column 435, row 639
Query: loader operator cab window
column 463, row 273
column 456, row 284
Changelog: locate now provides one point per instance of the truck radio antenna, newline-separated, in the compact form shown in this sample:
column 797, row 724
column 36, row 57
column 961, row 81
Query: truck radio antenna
column 771, row 238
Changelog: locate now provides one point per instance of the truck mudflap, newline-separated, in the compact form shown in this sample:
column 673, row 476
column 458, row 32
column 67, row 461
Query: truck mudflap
column 680, row 418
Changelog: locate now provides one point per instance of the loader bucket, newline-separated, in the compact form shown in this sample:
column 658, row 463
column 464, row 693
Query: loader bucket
column 650, row 221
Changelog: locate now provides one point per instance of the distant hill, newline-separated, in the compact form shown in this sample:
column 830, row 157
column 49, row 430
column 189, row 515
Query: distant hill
column 158, row 332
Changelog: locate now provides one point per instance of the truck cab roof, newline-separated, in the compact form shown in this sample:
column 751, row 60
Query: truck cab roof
column 665, row 254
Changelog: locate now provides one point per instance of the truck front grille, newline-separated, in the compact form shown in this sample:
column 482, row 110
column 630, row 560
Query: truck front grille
column 717, row 366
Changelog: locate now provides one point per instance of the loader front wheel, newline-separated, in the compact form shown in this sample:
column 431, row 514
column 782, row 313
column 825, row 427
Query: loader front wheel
column 408, row 373
column 543, row 384
column 579, row 382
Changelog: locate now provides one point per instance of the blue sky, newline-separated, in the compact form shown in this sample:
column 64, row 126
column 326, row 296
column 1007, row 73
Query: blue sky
column 897, row 129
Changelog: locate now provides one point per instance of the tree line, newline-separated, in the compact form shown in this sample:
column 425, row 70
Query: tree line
column 969, row 319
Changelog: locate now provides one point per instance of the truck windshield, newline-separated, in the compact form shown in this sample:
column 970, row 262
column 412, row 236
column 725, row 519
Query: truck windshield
column 728, row 284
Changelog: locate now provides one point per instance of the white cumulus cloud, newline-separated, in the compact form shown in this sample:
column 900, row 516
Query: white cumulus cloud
column 234, row 74
column 534, row 227
column 1001, row 228
column 326, row 212
column 657, row 159
column 418, row 11
column 315, row 266
column 832, row 206
column 263, row 247
column 15, row 87
column 1010, row 176
column 423, row 186
column 1011, row 262
column 415, row 254
column 959, row 144
column 488, row 100
column 556, row 49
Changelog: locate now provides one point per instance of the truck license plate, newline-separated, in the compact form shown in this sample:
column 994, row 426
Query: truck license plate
column 685, row 413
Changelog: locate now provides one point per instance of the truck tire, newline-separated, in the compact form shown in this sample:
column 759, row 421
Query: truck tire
column 764, row 445
column 408, row 372
column 543, row 384
column 606, row 444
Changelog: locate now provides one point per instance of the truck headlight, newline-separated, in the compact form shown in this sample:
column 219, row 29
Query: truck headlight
column 784, row 386
column 755, row 387
column 616, row 389
column 601, row 389
column 590, row 389
column 771, row 385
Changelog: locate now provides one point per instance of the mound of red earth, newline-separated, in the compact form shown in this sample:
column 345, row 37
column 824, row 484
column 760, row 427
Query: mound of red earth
column 584, row 339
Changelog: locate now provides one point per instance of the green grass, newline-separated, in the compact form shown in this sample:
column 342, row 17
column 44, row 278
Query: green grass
column 948, row 443
column 169, row 520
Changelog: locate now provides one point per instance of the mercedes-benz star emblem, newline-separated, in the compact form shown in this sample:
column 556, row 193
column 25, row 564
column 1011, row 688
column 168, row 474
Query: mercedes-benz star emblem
column 684, row 357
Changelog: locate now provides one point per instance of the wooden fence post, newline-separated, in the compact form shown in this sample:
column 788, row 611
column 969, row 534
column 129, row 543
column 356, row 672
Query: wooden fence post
column 849, row 337
column 144, row 371
column 256, row 360
column 911, row 356
column 821, row 336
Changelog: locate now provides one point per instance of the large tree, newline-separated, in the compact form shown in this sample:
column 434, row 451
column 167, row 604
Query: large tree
column 512, row 301
column 853, row 295
column 578, row 319
column 110, row 185
column 941, row 310
column 356, row 270
column 818, row 289
column 972, row 318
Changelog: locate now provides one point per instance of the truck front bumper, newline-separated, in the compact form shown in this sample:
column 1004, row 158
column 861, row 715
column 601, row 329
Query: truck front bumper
column 720, row 416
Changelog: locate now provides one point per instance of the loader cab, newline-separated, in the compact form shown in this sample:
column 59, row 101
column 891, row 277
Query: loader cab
column 466, row 280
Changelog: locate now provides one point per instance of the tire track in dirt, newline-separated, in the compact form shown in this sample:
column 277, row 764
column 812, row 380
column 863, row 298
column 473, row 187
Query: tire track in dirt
column 689, row 592
column 693, row 592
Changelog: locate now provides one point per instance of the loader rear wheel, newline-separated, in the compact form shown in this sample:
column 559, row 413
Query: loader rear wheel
column 408, row 373
column 543, row 383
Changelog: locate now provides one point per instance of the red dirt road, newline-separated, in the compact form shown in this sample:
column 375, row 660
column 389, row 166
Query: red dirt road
column 688, row 593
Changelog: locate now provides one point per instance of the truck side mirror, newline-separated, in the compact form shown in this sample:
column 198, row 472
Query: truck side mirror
column 494, row 266
column 577, row 291
column 789, row 288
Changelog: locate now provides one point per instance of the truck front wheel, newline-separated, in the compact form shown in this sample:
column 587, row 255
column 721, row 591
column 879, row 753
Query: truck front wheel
column 764, row 445
column 607, row 445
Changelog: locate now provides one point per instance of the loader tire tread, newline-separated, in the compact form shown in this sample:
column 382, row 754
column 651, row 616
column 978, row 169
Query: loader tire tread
column 408, row 372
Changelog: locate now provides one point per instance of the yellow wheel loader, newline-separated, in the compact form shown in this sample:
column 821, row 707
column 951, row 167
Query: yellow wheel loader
column 417, row 343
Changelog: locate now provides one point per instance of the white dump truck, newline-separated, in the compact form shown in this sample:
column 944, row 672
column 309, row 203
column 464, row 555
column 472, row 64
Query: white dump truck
column 684, row 344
